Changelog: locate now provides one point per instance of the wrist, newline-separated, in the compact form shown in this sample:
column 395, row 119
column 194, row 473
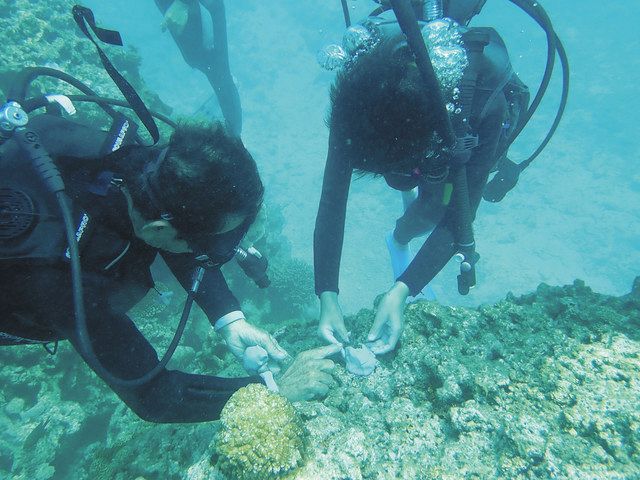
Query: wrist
column 228, row 319
column 328, row 299
column 400, row 290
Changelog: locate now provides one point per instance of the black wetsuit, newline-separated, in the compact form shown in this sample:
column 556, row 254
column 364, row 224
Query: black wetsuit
column 37, row 304
column 491, row 109
column 212, row 60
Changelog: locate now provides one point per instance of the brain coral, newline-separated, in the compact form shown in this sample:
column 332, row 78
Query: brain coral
column 261, row 437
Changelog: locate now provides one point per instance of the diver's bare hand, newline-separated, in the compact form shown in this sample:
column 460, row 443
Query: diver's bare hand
column 309, row 376
column 389, row 321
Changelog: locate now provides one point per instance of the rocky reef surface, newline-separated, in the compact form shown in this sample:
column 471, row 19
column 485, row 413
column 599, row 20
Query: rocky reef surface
column 545, row 385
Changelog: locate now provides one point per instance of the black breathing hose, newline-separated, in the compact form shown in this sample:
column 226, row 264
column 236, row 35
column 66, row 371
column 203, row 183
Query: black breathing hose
column 463, row 234
column 18, row 92
column 564, row 62
column 408, row 23
column 554, row 45
column 29, row 141
column 345, row 12
column 48, row 171
column 84, row 340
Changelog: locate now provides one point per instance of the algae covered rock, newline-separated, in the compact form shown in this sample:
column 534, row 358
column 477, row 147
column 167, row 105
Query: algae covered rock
column 261, row 437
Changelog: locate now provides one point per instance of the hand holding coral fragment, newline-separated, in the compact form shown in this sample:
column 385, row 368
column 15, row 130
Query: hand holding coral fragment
column 331, row 327
column 389, row 321
column 241, row 335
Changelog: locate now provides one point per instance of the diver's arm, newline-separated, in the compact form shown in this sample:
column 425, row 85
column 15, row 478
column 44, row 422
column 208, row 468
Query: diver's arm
column 214, row 296
column 172, row 396
column 329, row 229
column 440, row 245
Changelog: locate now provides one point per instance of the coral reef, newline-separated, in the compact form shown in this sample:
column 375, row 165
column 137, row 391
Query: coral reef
column 261, row 437
column 539, row 386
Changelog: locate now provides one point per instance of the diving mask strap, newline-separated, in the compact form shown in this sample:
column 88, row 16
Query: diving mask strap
column 148, row 180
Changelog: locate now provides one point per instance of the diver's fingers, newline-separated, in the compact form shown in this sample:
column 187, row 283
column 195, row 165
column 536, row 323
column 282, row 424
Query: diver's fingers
column 341, row 330
column 324, row 365
column 323, row 352
column 376, row 328
column 380, row 348
column 327, row 334
column 270, row 344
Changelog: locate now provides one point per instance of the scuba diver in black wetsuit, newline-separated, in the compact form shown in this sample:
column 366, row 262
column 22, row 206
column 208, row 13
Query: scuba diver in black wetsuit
column 132, row 205
column 201, row 35
column 83, row 214
column 425, row 102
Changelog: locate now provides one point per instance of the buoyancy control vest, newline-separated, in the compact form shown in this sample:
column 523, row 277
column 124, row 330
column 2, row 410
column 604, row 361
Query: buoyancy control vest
column 31, row 225
column 489, row 62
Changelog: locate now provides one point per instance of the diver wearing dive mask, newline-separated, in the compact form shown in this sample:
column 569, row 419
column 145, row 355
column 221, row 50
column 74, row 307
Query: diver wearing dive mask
column 385, row 122
column 199, row 197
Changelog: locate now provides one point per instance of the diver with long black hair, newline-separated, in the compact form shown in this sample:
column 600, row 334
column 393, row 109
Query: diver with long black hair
column 430, row 105
column 199, row 28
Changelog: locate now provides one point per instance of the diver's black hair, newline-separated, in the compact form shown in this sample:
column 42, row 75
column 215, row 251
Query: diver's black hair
column 382, row 111
column 205, row 176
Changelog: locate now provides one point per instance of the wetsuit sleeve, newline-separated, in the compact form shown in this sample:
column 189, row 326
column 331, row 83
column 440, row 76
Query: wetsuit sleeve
column 440, row 247
column 172, row 396
column 329, row 230
column 214, row 296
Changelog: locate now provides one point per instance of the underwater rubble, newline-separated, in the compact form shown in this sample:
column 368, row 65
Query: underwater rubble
column 544, row 385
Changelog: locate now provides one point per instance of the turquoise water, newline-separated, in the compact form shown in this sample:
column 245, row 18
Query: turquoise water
column 574, row 214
